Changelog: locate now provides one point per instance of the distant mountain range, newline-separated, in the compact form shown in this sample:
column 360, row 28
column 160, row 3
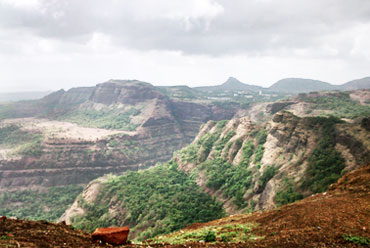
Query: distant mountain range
column 19, row 96
column 283, row 86
column 289, row 86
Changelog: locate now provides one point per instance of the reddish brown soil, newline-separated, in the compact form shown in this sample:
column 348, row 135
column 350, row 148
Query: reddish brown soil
column 318, row 221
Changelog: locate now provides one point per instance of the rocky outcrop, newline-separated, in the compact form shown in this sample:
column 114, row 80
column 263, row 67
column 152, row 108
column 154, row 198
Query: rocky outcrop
column 125, row 92
column 112, row 235
column 276, row 107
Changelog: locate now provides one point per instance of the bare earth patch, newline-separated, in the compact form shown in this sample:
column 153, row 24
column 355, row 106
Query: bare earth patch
column 63, row 130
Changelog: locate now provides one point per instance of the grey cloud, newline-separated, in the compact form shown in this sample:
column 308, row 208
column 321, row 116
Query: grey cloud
column 256, row 27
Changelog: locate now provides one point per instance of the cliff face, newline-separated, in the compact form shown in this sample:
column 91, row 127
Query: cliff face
column 124, row 91
column 275, row 158
column 68, row 153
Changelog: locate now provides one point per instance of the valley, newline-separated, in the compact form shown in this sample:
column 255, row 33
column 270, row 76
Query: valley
column 160, row 158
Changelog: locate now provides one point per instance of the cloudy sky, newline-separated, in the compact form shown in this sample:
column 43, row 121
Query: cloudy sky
column 52, row 44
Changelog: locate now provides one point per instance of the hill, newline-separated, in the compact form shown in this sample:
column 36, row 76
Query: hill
column 363, row 83
column 300, row 85
column 232, row 84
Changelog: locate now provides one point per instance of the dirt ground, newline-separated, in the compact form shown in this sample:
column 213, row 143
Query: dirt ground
column 318, row 221
column 63, row 130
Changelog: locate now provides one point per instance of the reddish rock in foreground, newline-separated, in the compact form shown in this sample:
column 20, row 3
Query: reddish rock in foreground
column 112, row 235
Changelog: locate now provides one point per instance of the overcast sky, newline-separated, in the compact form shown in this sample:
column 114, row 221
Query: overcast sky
column 52, row 44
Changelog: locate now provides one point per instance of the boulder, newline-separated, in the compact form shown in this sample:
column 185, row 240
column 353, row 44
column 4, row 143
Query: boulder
column 112, row 235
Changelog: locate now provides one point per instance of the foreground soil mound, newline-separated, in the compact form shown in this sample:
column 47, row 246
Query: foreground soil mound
column 22, row 233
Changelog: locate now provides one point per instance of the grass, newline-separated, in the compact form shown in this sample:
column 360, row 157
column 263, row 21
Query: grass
column 227, row 233
column 357, row 239
column 110, row 119
column 23, row 142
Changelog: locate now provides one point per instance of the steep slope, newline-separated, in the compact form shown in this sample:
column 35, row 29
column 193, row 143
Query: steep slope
column 330, row 219
column 258, row 167
column 300, row 85
column 154, row 201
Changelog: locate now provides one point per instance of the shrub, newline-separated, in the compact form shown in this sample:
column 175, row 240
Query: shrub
column 259, row 153
column 288, row 193
column 325, row 164
column 266, row 176
column 210, row 236
column 162, row 198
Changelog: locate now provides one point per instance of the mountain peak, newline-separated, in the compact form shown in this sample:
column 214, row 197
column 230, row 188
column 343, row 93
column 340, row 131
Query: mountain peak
column 231, row 81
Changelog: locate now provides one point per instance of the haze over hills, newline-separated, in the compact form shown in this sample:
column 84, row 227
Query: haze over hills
column 19, row 96
column 283, row 86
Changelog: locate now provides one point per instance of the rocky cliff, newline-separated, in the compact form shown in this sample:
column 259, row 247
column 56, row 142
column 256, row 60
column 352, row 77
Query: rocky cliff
column 278, row 157
column 76, row 153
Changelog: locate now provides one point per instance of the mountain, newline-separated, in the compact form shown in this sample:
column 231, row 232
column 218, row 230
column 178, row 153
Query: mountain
column 232, row 84
column 300, row 85
column 363, row 83
column 242, row 165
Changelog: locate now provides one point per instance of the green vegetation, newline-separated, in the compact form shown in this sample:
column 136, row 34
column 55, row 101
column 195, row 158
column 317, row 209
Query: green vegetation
column 325, row 163
column 12, row 135
column 357, row 239
column 33, row 148
column 37, row 205
column 220, row 144
column 189, row 153
column 232, row 180
column 160, row 200
column 207, row 142
column 261, row 137
column 288, row 193
column 221, row 124
column 6, row 110
column 259, row 153
column 340, row 105
column 248, row 150
column 266, row 176
column 110, row 119
column 228, row 233
column 25, row 143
